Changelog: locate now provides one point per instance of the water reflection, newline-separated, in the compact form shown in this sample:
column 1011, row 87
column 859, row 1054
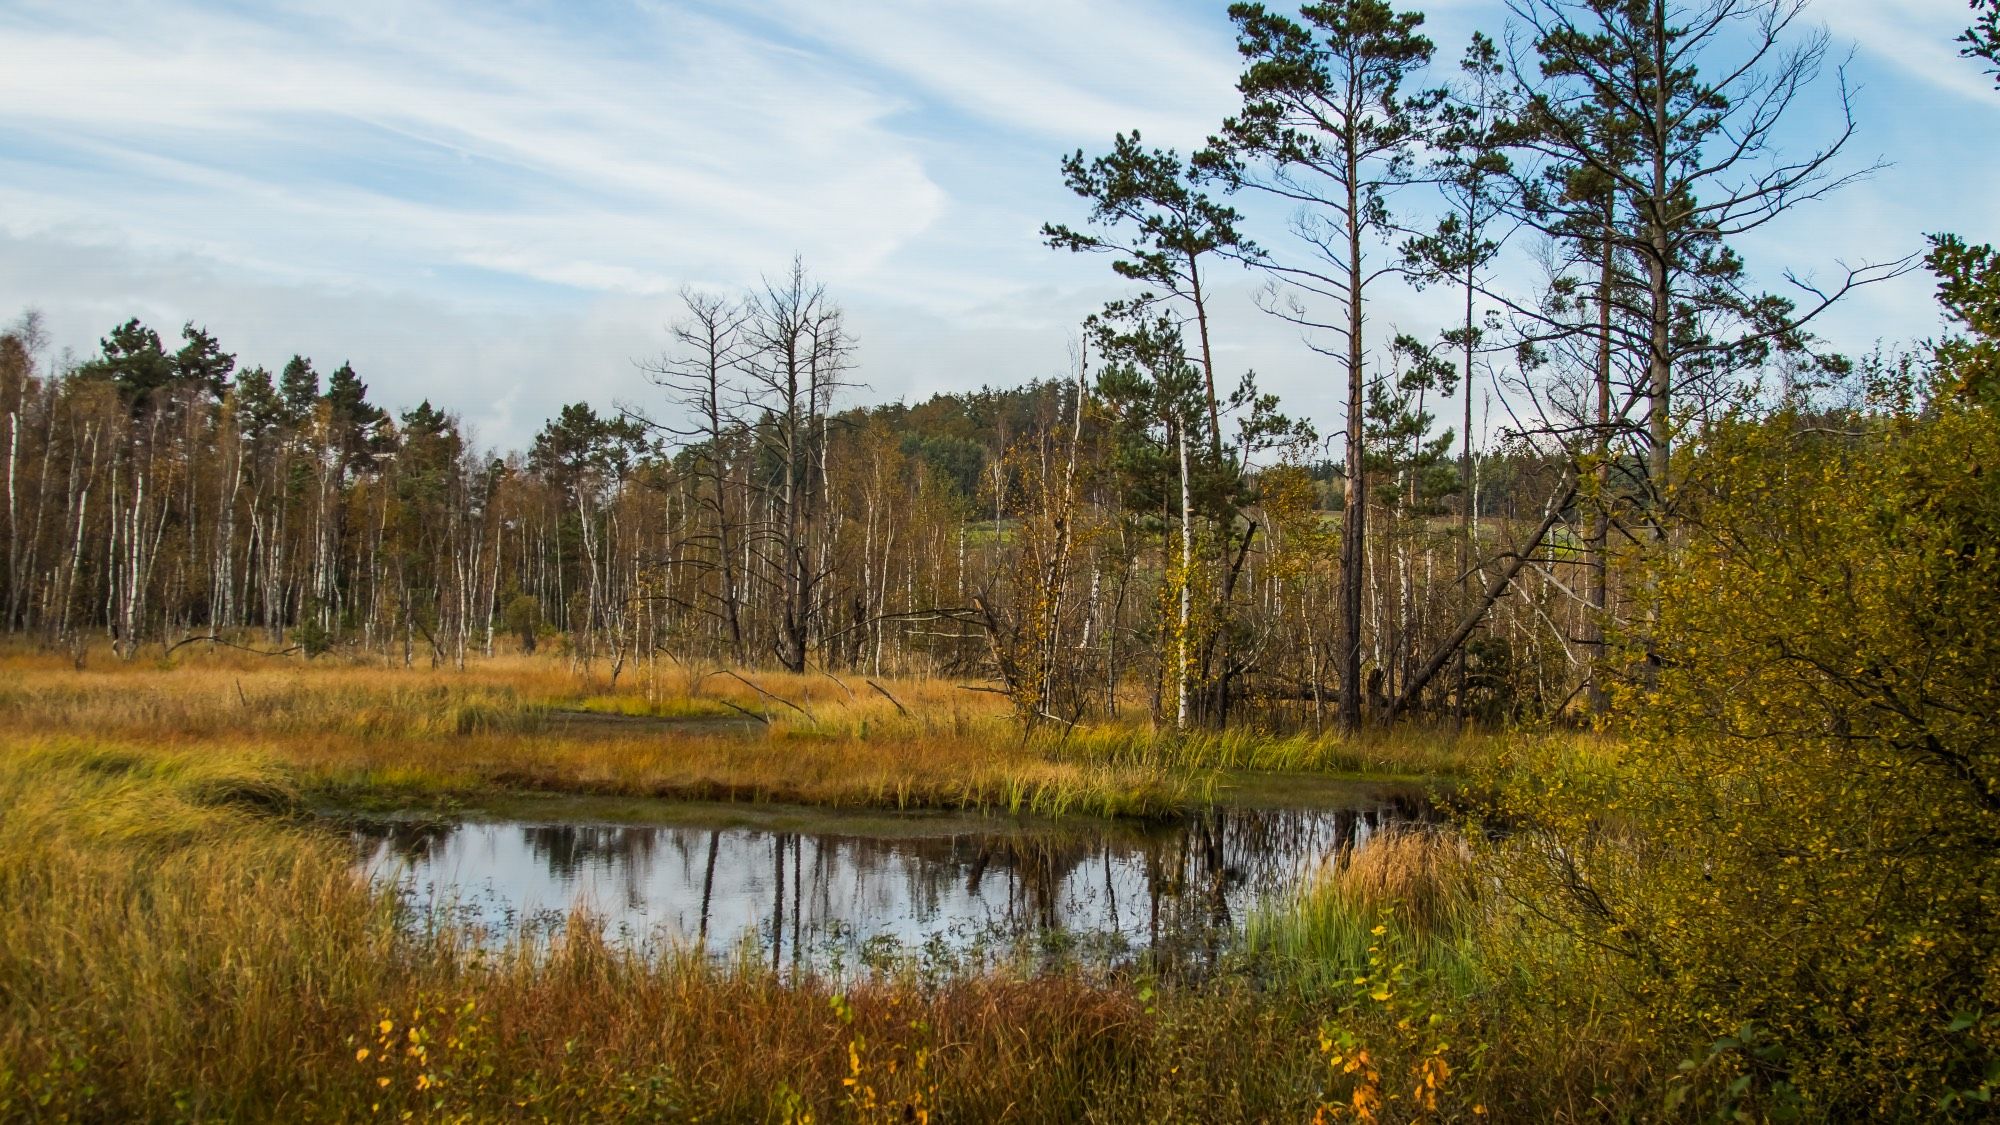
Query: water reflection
column 1095, row 892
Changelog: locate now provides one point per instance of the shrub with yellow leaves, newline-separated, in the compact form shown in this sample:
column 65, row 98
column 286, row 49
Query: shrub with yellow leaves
column 413, row 1066
column 1391, row 1000
column 1790, row 865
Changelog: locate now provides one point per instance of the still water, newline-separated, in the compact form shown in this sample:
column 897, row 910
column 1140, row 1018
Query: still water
column 963, row 891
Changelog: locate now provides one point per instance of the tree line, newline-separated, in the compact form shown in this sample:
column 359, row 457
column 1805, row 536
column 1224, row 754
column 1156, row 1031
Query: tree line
column 159, row 496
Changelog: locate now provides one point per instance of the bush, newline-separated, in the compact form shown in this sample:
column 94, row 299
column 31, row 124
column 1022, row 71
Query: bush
column 312, row 637
column 1792, row 864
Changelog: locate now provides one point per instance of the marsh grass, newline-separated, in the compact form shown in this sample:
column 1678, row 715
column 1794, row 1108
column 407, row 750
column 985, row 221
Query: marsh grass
column 1413, row 886
column 1403, row 754
column 353, row 733
column 177, row 944
column 168, row 952
column 373, row 735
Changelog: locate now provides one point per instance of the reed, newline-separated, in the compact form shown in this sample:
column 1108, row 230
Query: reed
column 1423, row 876
column 1401, row 754
column 1415, row 887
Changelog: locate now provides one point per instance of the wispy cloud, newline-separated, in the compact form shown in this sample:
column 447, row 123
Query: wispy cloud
column 395, row 175
column 450, row 135
column 491, row 204
column 1913, row 36
column 1059, row 69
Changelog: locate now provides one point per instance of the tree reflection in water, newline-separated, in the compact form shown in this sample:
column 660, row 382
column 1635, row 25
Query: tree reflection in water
column 1173, row 891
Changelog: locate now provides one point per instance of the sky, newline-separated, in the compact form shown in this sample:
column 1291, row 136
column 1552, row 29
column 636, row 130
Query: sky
column 493, row 203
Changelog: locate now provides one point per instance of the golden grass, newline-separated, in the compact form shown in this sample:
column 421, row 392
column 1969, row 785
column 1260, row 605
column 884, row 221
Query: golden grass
column 1412, row 886
column 175, row 945
column 1422, row 876
column 1404, row 753
column 166, row 952
column 352, row 731
column 348, row 732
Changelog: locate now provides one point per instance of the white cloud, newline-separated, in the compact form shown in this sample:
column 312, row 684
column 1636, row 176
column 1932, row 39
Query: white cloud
column 1062, row 69
column 491, row 205
column 504, row 372
column 685, row 151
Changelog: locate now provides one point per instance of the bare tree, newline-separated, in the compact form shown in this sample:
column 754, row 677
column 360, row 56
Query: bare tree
column 699, row 379
column 799, row 353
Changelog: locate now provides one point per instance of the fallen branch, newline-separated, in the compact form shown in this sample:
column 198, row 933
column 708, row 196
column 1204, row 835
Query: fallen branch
column 900, row 709
column 1068, row 724
column 765, row 694
column 215, row 640
column 837, row 683
column 931, row 614
column 1494, row 592
column 765, row 719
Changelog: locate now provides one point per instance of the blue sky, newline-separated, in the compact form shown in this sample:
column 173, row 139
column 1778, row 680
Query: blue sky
column 492, row 204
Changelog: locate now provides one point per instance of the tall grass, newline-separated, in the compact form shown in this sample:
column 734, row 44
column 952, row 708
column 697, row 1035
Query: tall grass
column 175, row 944
column 1399, row 754
column 169, row 951
column 1411, row 885
column 179, row 942
column 357, row 733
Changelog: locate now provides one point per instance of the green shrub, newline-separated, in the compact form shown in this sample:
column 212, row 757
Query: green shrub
column 1791, row 868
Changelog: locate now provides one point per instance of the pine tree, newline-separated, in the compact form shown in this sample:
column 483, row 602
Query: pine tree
column 298, row 386
column 201, row 363
column 131, row 359
column 1328, row 126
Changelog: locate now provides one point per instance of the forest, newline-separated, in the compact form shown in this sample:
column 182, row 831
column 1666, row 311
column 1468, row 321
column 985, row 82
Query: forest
column 1634, row 644
column 159, row 498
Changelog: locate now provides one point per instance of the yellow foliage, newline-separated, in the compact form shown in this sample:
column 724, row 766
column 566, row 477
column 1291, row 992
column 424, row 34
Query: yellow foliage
column 1791, row 863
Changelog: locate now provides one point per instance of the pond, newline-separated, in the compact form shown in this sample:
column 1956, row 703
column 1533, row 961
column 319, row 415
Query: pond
column 870, row 889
